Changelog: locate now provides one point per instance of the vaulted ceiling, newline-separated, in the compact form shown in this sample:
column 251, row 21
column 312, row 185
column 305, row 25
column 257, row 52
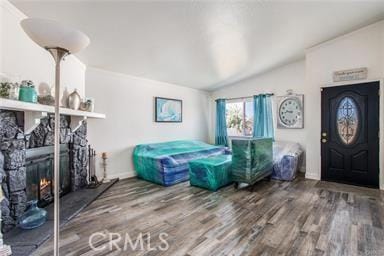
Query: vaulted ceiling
column 202, row 44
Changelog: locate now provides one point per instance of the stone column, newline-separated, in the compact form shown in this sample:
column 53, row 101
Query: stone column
column 5, row 250
column 4, row 203
column 12, row 147
column 14, row 160
column 79, row 157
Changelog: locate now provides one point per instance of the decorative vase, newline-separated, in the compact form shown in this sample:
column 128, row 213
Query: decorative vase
column 34, row 217
column 27, row 92
column 74, row 100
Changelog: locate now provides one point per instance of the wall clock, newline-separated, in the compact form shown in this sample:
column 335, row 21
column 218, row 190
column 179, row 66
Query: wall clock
column 290, row 111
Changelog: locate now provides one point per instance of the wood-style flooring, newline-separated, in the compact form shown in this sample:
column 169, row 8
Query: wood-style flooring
column 304, row 217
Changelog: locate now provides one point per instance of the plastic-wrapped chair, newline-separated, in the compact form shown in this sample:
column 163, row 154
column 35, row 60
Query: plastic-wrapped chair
column 251, row 159
column 287, row 160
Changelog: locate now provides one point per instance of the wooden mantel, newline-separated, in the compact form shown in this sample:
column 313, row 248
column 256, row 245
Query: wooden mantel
column 33, row 112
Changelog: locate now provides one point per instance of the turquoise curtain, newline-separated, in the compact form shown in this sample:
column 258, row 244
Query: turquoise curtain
column 221, row 125
column 263, row 118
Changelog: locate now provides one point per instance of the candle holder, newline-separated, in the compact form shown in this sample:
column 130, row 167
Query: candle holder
column 104, row 157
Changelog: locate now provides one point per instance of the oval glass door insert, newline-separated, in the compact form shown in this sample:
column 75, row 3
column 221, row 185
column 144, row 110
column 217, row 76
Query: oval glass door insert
column 347, row 120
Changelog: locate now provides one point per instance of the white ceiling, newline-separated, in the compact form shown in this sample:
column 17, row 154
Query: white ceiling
column 202, row 44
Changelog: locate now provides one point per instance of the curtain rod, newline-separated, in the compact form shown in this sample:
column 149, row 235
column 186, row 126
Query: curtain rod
column 247, row 97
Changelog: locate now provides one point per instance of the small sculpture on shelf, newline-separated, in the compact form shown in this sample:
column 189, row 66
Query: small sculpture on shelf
column 27, row 92
column 46, row 100
column 14, row 91
column 45, row 95
column 5, row 88
column 87, row 105
column 9, row 88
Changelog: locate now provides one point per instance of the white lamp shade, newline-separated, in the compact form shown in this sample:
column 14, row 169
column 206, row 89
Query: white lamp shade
column 51, row 34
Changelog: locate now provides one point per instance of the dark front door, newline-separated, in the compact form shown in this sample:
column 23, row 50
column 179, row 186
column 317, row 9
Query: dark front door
column 350, row 134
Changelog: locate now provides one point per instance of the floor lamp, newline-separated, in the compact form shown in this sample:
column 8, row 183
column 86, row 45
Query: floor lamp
column 60, row 41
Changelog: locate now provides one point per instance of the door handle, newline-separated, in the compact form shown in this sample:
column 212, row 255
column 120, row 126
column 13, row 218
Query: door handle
column 323, row 140
column 324, row 134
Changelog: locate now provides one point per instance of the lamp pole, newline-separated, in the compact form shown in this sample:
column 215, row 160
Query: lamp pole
column 58, row 55
column 60, row 41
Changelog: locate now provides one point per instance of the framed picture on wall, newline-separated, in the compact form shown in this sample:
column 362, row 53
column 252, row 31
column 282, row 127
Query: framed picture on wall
column 168, row 110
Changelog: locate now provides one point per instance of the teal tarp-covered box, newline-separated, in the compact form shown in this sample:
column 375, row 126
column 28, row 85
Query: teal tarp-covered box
column 211, row 173
column 251, row 159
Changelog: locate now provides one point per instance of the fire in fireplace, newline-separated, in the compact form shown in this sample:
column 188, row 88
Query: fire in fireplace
column 39, row 170
column 45, row 189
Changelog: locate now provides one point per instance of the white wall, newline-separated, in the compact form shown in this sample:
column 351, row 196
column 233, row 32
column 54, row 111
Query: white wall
column 362, row 48
column 1, row 35
column 128, row 103
column 23, row 59
column 278, row 81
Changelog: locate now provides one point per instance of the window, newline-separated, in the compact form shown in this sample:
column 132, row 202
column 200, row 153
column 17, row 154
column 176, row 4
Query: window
column 239, row 116
column 347, row 119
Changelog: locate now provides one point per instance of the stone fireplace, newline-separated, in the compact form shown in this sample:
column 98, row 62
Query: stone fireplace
column 26, row 162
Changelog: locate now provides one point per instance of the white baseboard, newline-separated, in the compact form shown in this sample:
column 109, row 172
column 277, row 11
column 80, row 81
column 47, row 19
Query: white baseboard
column 312, row 176
column 122, row 175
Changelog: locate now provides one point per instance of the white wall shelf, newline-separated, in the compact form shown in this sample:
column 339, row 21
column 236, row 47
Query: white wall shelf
column 34, row 107
column 33, row 112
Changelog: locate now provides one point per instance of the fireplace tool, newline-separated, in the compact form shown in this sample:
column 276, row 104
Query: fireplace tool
column 93, row 182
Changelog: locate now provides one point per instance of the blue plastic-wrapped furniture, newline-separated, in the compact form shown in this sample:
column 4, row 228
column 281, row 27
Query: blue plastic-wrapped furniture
column 167, row 163
column 251, row 159
column 287, row 160
column 211, row 173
